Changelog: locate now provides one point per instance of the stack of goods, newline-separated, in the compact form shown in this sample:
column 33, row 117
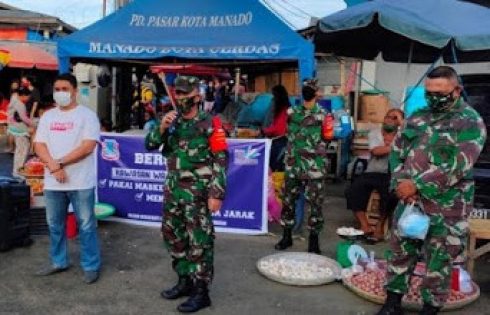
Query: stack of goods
column 360, row 142
column 368, row 282
column 33, row 171
column 14, row 214
column 373, row 105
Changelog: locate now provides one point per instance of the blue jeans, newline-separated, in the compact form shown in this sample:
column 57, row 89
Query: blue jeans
column 83, row 202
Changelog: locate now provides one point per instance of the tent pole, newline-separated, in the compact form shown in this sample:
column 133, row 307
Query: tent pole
column 170, row 96
column 237, row 83
column 113, row 96
column 357, row 89
column 460, row 79
column 409, row 64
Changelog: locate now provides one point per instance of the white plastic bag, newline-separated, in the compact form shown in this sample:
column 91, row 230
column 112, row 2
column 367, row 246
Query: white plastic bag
column 413, row 223
column 465, row 285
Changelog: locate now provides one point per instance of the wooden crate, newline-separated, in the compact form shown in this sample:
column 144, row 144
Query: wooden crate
column 373, row 212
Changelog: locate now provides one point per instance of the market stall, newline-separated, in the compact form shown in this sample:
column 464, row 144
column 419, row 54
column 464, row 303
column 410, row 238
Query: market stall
column 215, row 31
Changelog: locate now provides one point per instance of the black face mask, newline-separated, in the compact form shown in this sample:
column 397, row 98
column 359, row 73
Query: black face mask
column 439, row 102
column 186, row 104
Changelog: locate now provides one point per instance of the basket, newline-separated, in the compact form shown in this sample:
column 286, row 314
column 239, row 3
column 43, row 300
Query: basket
column 300, row 269
column 410, row 301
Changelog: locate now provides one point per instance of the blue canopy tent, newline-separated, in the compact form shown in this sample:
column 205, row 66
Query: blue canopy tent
column 230, row 31
column 408, row 31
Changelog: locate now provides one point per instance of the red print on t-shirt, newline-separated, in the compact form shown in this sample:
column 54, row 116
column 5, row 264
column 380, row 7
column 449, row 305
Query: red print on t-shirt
column 61, row 126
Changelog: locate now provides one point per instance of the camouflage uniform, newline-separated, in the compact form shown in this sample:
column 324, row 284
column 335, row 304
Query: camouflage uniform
column 194, row 175
column 437, row 152
column 305, row 165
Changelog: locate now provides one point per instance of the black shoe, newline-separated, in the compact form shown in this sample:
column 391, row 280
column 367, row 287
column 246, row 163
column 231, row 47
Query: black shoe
column 182, row 288
column 50, row 270
column 429, row 310
column 313, row 246
column 286, row 240
column 393, row 305
column 199, row 299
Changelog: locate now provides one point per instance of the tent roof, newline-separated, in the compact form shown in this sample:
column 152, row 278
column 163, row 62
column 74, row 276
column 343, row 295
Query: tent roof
column 28, row 56
column 391, row 26
column 212, row 29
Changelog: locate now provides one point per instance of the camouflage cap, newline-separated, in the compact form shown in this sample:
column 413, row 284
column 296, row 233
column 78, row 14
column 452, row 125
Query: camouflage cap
column 186, row 84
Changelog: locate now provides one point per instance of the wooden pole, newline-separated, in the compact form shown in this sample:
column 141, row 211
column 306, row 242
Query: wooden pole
column 169, row 93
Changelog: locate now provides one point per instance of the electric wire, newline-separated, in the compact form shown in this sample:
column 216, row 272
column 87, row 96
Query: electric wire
column 279, row 4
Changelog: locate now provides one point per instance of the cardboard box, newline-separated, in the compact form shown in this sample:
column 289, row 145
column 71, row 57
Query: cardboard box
column 365, row 125
column 373, row 107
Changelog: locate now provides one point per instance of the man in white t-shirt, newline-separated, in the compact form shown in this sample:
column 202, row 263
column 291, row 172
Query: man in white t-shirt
column 65, row 141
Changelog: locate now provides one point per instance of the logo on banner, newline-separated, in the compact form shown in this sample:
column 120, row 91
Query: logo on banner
column 110, row 150
column 247, row 156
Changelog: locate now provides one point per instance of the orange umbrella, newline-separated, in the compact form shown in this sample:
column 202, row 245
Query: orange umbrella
column 28, row 56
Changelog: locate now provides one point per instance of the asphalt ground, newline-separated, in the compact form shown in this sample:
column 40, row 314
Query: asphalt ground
column 136, row 268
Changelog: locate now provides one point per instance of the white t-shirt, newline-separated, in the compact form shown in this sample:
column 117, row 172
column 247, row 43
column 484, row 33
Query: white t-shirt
column 63, row 131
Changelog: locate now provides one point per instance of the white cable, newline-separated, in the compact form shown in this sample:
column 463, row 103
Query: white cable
column 299, row 9
column 279, row 4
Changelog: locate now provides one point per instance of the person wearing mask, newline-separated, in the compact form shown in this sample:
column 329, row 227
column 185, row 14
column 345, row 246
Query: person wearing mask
column 209, row 97
column 197, row 159
column 305, row 169
column 277, row 129
column 376, row 177
column 19, row 126
column 14, row 88
column 431, row 165
column 65, row 142
column 150, row 119
column 33, row 103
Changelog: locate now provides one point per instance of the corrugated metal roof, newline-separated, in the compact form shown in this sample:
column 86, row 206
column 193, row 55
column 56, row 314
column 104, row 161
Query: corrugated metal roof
column 30, row 18
column 4, row 6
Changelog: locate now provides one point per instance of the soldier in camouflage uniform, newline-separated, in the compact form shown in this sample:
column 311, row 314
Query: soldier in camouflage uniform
column 305, row 169
column 431, row 163
column 195, row 187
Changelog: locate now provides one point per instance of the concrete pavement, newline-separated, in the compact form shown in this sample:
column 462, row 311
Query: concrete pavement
column 136, row 267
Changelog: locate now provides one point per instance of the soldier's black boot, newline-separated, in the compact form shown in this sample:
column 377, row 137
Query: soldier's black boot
column 199, row 298
column 393, row 305
column 286, row 240
column 429, row 310
column 313, row 246
column 182, row 288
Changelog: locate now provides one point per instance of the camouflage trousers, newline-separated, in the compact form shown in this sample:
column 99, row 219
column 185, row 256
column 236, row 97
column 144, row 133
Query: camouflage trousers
column 314, row 195
column 188, row 234
column 444, row 245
